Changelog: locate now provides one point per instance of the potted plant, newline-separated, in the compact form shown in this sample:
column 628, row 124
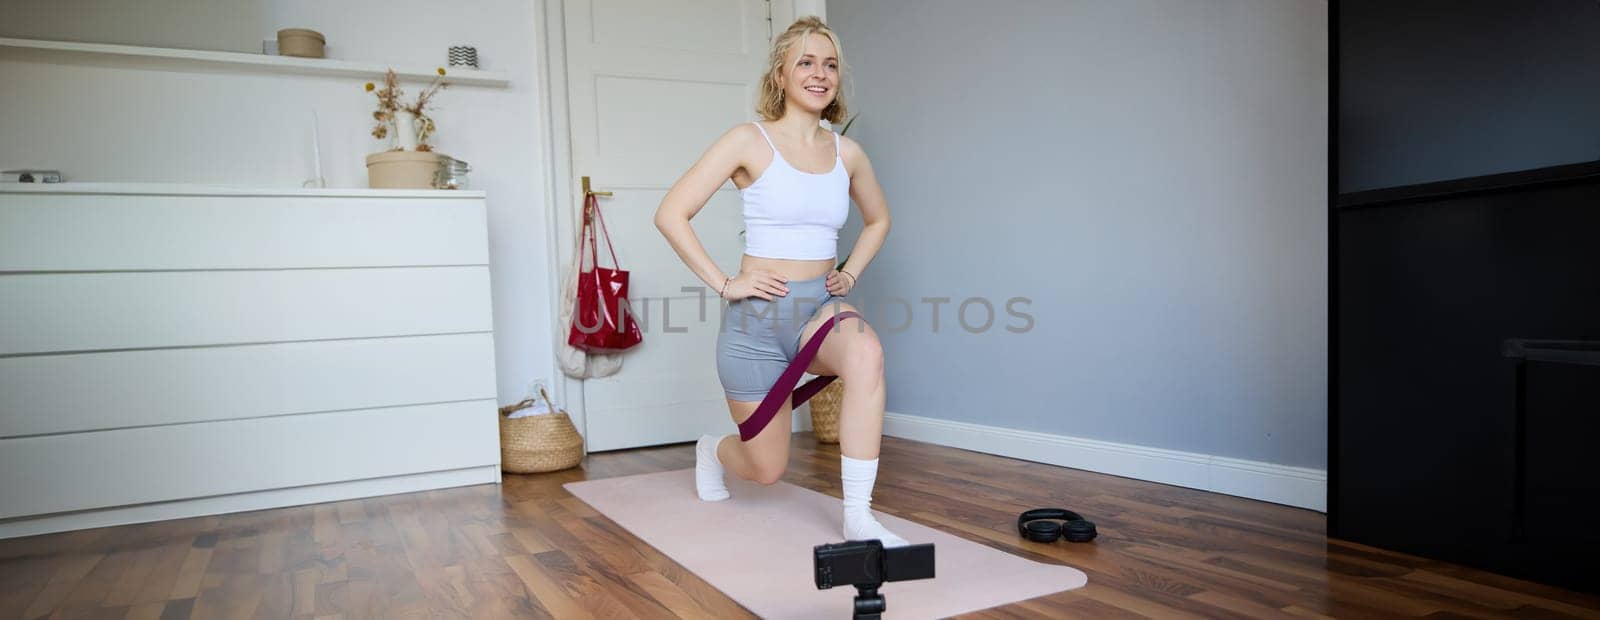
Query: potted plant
column 410, row 162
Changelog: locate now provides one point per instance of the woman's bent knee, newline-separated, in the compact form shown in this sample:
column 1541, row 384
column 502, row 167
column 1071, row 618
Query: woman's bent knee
column 864, row 361
column 768, row 474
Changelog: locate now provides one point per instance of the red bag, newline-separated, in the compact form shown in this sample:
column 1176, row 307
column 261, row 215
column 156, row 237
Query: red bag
column 602, row 322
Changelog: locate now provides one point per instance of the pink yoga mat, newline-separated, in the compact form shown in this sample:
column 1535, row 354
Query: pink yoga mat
column 756, row 548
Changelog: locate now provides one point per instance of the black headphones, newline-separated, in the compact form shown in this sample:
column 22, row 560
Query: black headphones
column 1075, row 528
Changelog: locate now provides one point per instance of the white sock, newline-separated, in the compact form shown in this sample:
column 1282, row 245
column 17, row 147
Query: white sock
column 708, row 469
column 858, row 477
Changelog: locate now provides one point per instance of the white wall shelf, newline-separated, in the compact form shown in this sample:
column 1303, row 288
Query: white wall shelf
column 198, row 189
column 170, row 58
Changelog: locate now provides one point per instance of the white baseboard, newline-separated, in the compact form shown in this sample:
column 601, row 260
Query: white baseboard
column 1281, row 484
column 276, row 498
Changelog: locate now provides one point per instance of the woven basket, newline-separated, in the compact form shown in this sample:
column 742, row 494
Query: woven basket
column 538, row 443
column 825, row 412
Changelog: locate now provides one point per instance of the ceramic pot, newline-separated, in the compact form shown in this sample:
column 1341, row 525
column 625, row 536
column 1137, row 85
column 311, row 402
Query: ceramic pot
column 402, row 170
column 301, row 42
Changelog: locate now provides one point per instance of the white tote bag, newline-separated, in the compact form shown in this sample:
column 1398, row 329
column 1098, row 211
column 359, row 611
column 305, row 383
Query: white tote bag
column 575, row 362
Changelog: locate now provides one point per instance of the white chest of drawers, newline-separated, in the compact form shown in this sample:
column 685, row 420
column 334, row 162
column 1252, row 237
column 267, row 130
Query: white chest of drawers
column 169, row 351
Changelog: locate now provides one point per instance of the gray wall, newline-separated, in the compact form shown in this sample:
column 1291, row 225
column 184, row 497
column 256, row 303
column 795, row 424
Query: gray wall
column 1432, row 90
column 1150, row 173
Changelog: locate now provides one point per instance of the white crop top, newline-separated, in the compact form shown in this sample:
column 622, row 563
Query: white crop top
column 793, row 214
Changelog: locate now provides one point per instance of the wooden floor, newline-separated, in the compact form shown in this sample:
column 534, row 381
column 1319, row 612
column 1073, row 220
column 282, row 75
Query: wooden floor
column 529, row 549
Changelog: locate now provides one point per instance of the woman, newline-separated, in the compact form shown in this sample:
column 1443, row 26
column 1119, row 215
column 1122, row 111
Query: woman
column 797, row 180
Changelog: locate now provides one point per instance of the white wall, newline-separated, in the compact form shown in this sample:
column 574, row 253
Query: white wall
column 97, row 123
column 228, row 25
column 1151, row 173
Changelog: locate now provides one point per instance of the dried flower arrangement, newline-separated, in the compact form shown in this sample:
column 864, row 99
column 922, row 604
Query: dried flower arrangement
column 389, row 102
column 417, row 108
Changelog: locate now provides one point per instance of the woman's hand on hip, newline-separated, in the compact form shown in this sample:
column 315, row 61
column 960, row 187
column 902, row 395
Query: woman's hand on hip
column 757, row 283
column 840, row 283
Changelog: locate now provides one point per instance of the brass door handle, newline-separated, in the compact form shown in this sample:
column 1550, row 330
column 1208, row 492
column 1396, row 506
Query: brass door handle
column 587, row 192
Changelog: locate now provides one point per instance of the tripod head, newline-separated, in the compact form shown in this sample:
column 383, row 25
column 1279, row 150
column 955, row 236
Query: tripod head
column 867, row 565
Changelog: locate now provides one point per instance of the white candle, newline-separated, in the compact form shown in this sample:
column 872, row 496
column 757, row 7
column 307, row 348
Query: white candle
column 316, row 150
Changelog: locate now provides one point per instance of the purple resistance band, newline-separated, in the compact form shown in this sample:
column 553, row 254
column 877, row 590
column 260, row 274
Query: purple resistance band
column 791, row 375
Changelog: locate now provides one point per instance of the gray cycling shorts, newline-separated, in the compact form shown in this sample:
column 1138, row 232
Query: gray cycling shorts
column 758, row 338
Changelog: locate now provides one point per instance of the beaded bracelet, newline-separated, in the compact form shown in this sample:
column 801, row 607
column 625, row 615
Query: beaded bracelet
column 724, row 293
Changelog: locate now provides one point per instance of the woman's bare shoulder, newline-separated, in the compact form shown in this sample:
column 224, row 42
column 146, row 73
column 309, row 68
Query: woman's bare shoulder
column 742, row 134
column 852, row 152
column 739, row 140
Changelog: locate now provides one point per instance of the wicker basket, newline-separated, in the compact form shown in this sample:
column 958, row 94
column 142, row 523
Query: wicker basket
column 538, row 443
column 825, row 412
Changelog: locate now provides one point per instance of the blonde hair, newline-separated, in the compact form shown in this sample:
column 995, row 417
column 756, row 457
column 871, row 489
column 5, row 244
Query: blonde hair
column 770, row 104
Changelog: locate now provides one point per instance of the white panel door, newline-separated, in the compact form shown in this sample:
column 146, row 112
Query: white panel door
column 651, row 84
